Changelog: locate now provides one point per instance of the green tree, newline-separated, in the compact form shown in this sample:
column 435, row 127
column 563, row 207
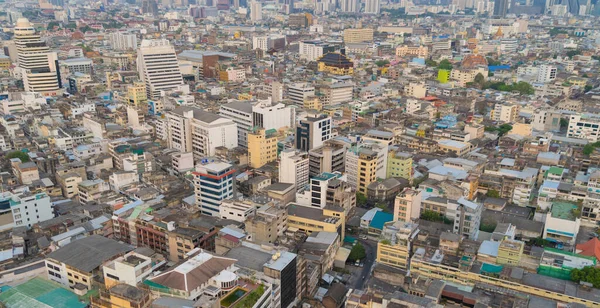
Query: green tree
column 479, row 79
column 71, row 25
column 18, row 154
column 492, row 61
column 85, row 29
column 487, row 227
column 126, row 15
column 589, row 274
column 51, row 25
column 492, row 193
column 524, row 88
column 431, row 63
column 445, row 65
column 358, row 252
column 383, row 206
column 564, row 123
column 382, row 63
column 361, row 199
column 431, row 216
column 587, row 88
column 572, row 53
column 538, row 241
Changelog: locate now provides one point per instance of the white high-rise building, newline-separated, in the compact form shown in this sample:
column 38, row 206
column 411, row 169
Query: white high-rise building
column 158, row 67
column 123, row 41
column 546, row 73
column 255, row 11
column 294, row 168
column 37, row 65
column 260, row 42
column 584, row 126
column 213, row 183
column 372, row 6
column 24, row 209
column 298, row 92
column 193, row 130
column 350, row 6
column 313, row 50
column 262, row 114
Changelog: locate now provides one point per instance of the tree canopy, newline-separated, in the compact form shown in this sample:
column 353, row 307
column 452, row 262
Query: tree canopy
column 588, row 274
column 18, row 154
column 382, row 63
column 445, row 65
column 361, row 199
column 358, row 252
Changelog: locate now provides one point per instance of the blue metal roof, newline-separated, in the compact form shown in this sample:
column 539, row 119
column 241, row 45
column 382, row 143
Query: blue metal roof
column 380, row 219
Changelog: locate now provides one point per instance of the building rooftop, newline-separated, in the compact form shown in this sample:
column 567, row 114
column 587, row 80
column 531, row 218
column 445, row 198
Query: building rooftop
column 563, row 210
column 280, row 260
column 248, row 257
column 89, row 253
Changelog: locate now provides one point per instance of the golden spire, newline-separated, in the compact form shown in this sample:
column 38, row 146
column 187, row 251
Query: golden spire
column 499, row 33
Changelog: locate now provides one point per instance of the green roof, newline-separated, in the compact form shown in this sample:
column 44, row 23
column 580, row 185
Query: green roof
column 491, row 268
column 563, row 210
column 568, row 253
column 380, row 219
column 555, row 171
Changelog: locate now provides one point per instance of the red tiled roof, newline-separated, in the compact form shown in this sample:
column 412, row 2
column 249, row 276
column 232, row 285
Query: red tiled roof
column 590, row 248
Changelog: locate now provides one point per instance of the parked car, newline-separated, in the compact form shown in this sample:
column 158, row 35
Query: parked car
column 363, row 237
column 357, row 263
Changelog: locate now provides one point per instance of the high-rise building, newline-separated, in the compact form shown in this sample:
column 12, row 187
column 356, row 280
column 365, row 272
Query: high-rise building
column 298, row 92
column 500, row 8
column 372, row 6
column 350, row 6
column 37, row 65
column 329, row 157
column 584, row 126
column 358, row 35
column 255, row 11
column 546, row 73
column 262, row 147
column 213, row 182
column 312, row 132
column 407, row 205
column 149, row 7
column 293, row 168
column 123, row 41
column 158, row 67
column 365, row 163
column 262, row 114
column 194, row 130
column 24, row 209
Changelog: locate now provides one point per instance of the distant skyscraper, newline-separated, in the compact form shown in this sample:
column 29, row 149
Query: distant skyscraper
column 372, row 6
column 573, row 6
column 158, row 67
column 350, row 6
column 255, row 11
column 149, row 7
column 500, row 8
column 37, row 65
column 289, row 6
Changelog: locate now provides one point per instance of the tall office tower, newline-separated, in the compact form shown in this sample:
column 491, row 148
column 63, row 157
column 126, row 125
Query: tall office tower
column 289, row 6
column 37, row 65
column 546, row 73
column 255, row 11
column 500, row 8
column 372, row 6
column 313, row 132
column 149, row 7
column 123, row 40
column 350, row 6
column 573, row 6
column 213, row 183
column 158, row 67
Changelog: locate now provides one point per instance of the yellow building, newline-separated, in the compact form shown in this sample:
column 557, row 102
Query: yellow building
column 420, row 267
column 122, row 296
column 4, row 63
column 245, row 96
column 262, row 147
column 336, row 63
column 136, row 95
column 313, row 102
column 312, row 219
column 510, row 252
column 417, row 51
column 393, row 249
column 358, row 35
column 399, row 164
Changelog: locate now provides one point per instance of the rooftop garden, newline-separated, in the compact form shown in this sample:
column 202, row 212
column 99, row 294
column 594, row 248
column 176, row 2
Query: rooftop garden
column 250, row 300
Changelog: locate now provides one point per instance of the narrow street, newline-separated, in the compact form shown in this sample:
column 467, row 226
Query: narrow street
column 371, row 252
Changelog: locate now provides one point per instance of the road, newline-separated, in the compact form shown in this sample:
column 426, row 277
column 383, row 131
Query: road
column 371, row 251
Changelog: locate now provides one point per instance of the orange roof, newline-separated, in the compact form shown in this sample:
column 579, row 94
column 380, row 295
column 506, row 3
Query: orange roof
column 590, row 248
